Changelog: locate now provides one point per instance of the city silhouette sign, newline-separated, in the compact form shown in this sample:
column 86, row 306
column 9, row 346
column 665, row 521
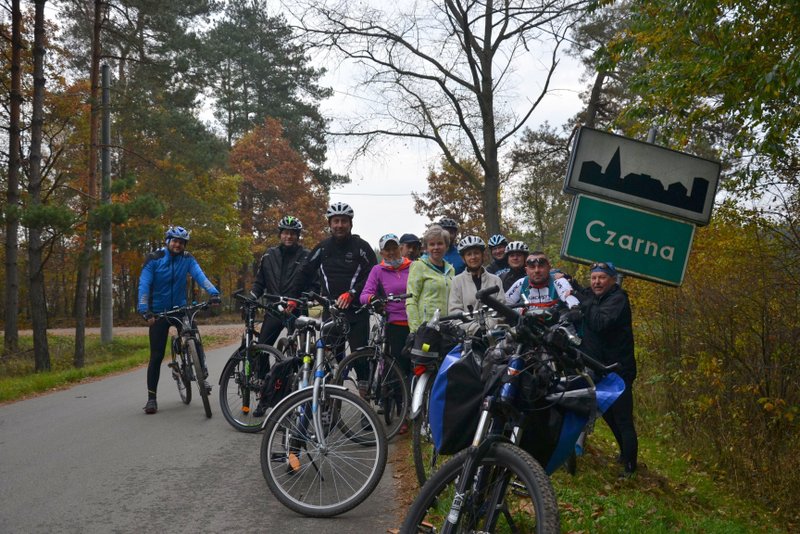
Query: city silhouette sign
column 642, row 175
column 638, row 242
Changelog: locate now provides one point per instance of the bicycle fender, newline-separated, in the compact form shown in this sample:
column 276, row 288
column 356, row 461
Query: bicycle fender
column 418, row 394
column 288, row 398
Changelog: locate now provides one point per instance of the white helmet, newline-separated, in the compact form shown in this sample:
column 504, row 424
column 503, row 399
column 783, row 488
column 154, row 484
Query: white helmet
column 339, row 208
column 516, row 246
column 471, row 241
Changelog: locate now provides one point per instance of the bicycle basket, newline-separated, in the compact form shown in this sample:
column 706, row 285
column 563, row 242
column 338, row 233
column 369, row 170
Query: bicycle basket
column 454, row 402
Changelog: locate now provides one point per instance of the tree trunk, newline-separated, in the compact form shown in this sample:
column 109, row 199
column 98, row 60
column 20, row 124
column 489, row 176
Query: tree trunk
column 81, row 290
column 594, row 99
column 11, row 338
column 35, row 246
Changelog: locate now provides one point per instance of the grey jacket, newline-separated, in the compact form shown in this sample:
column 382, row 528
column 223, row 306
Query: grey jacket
column 462, row 294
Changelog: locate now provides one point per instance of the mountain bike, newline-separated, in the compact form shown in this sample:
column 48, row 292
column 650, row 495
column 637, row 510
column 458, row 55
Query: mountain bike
column 243, row 378
column 385, row 388
column 185, row 365
column 494, row 485
column 324, row 449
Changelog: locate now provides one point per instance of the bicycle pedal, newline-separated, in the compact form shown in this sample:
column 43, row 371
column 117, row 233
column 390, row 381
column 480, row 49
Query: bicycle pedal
column 294, row 462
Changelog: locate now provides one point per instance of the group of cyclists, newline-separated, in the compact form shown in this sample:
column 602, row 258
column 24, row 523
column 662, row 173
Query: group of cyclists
column 438, row 271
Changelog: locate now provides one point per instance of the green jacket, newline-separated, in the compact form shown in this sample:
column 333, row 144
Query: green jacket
column 429, row 289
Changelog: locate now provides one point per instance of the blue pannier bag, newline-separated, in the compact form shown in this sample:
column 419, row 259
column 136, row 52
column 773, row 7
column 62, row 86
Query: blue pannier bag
column 454, row 403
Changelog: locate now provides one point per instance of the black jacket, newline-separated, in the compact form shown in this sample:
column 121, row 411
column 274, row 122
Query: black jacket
column 279, row 272
column 497, row 265
column 608, row 329
column 340, row 266
column 511, row 276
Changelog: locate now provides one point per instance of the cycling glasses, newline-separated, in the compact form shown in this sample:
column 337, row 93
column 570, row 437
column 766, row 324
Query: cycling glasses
column 599, row 265
column 537, row 261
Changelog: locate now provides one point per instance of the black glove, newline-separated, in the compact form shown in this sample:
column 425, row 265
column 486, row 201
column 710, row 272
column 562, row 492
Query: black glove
column 147, row 316
column 215, row 300
column 572, row 315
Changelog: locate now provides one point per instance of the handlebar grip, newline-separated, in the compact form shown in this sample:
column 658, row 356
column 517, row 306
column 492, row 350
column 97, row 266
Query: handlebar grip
column 452, row 317
column 484, row 295
column 402, row 296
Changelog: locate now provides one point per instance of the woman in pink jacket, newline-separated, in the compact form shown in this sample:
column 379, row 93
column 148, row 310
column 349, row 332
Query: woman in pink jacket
column 390, row 277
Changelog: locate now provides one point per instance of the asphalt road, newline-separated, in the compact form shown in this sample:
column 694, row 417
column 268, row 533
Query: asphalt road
column 88, row 459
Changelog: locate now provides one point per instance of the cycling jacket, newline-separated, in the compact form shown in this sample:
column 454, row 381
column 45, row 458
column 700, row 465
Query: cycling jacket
column 544, row 295
column 454, row 258
column 279, row 272
column 429, row 288
column 342, row 266
column 384, row 280
column 162, row 284
column 498, row 267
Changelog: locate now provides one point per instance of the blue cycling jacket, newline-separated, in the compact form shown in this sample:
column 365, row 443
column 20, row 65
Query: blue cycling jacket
column 162, row 284
column 454, row 258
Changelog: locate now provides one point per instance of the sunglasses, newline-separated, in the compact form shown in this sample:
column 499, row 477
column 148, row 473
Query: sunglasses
column 599, row 265
column 537, row 261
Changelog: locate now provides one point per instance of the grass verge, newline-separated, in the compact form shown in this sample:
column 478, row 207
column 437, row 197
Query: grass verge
column 18, row 379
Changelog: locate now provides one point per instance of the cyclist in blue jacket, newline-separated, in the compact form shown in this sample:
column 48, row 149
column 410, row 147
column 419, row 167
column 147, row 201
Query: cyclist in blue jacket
column 162, row 286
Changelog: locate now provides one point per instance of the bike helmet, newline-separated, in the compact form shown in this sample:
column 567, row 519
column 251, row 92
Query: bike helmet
column 497, row 239
column 339, row 208
column 176, row 232
column 290, row 223
column 516, row 246
column 447, row 222
column 471, row 241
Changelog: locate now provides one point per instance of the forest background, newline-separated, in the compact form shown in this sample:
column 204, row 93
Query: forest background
column 719, row 79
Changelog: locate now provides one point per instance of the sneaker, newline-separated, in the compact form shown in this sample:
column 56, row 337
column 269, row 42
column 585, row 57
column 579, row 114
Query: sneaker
column 260, row 410
column 151, row 406
column 205, row 384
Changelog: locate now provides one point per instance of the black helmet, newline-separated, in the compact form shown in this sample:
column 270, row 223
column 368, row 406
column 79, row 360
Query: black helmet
column 290, row 223
column 447, row 222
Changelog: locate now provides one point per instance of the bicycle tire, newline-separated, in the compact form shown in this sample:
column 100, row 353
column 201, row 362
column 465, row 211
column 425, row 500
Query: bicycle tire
column 392, row 386
column 308, row 479
column 525, row 500
column 423, row 450
column 198, row 373
column 239, row 394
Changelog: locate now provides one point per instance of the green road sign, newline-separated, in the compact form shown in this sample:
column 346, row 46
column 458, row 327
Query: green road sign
column 639, row 243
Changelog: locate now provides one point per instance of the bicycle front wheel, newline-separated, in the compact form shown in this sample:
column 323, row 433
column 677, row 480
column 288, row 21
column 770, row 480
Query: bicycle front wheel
column 322, row 477
column 509, row 493
column 191, row 349
column 240, row 388
column 426, row 459
column 386, row 389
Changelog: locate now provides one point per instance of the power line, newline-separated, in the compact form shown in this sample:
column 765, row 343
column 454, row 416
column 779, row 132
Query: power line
column 372, row 194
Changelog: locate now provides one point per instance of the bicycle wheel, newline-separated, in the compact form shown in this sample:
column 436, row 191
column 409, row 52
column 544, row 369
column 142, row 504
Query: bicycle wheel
column 426, row 459
column 191, row 348
column 386, row 391
column 319, row 480
column 240, row 388
column 510, row 493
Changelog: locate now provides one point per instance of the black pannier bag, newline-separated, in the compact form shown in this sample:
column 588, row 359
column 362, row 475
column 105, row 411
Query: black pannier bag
column 432, row 343
column 278, row 381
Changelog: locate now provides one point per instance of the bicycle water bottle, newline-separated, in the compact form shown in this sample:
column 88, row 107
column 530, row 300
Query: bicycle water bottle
column 508, row 391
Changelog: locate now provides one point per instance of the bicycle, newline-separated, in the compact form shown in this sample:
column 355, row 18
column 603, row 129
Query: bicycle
column 243, row 378
column 426, row 458
column 324, row 449
column 494, row 485
column 186, row 366
column 385, row 388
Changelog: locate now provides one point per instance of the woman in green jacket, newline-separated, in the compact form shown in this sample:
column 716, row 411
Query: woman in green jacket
column 429, row 279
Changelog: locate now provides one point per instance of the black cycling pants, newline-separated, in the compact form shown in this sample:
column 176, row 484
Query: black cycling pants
column 159, row 334
column 396, row 335
column 620, row 420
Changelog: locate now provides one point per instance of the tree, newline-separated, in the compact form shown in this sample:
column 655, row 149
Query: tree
column 256, row 69
column 445, row 72
column 275, row 182
column 11, row 338
column 38, row 301
column 449, row 196
column 540, row 206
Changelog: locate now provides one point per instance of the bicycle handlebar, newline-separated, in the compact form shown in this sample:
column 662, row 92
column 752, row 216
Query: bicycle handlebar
column 485, row 296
